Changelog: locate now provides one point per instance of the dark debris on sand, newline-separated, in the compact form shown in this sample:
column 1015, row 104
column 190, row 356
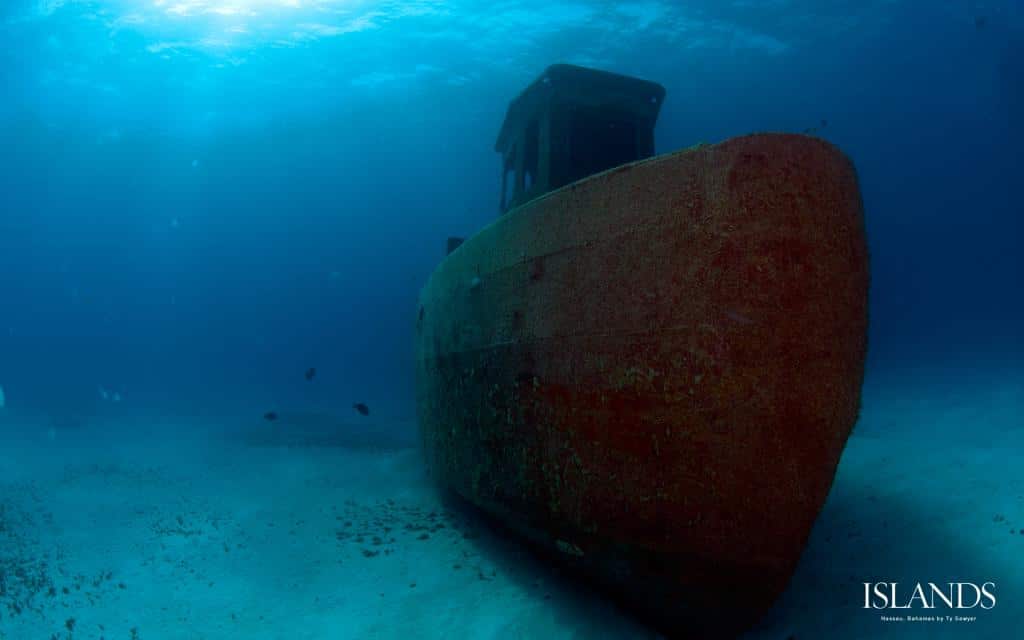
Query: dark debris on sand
column 25, row 577
column 380, row 528
column 33, row 578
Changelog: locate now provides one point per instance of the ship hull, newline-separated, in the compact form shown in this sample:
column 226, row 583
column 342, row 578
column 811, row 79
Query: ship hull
column 652, row 373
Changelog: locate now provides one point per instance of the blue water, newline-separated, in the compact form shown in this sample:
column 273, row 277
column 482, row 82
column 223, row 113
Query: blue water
column 200, row 199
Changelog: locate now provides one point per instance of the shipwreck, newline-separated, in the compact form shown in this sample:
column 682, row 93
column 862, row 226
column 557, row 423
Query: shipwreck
column 649, row 365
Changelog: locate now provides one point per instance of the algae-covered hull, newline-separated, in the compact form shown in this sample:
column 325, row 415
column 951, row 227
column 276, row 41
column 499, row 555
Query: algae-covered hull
column 653, row 372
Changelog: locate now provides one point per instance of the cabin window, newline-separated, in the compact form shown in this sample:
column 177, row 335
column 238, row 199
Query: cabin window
column 508, row 180
column 531, row 154
column 600, row 140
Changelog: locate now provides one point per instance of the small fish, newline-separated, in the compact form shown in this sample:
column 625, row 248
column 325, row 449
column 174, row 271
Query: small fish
column 270, row 416
column 310, row 373
column 361, row 408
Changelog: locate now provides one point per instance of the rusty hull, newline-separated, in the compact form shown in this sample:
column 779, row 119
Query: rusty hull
column 653, row 372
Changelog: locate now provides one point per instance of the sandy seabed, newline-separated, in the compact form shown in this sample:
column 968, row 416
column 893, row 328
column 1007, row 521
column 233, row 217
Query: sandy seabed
column 128, row 527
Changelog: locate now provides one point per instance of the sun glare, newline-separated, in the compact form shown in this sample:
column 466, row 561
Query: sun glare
column 229, row 7
column 221, row 26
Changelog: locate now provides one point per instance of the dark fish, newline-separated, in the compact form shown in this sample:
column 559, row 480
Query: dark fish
column 270, row 415
column 310, row 372
column 361, row 408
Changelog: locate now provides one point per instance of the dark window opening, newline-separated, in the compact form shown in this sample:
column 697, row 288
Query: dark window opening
column 508, row 181
column 531, row 155
column 600, row 140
